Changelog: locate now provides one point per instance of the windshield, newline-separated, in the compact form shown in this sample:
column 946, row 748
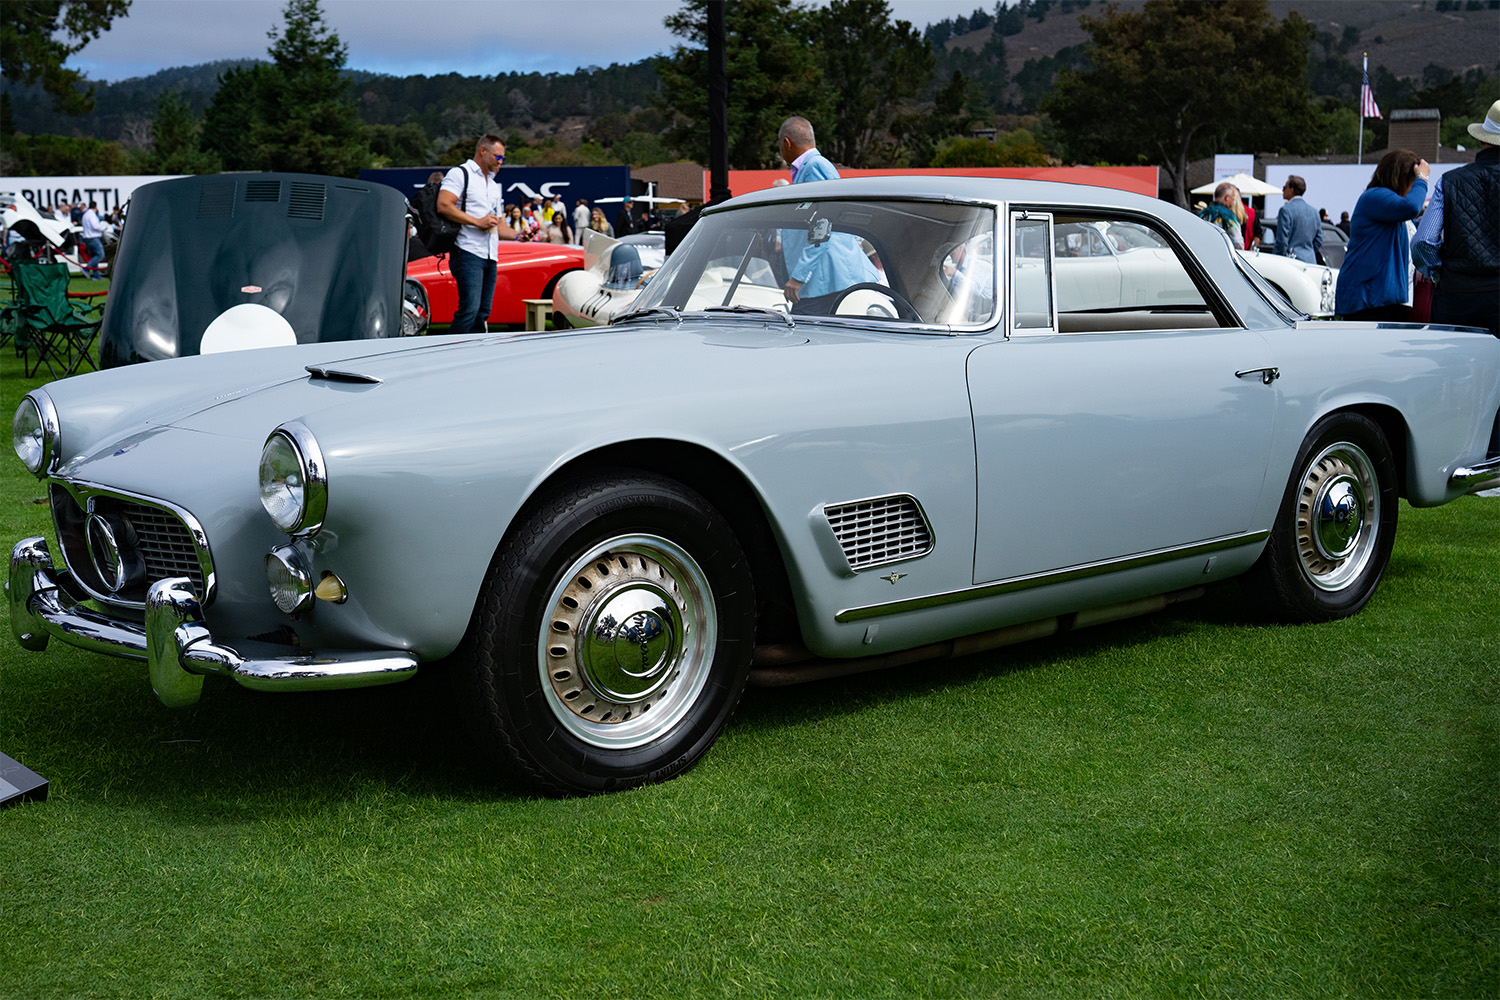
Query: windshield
column 891, row 261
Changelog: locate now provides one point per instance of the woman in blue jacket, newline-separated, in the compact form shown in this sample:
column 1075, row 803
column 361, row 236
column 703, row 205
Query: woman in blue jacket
column 1375, row 281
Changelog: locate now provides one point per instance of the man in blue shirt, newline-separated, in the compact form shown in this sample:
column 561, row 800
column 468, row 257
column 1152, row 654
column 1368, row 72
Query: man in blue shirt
column 837, row 261
column 1299, row 231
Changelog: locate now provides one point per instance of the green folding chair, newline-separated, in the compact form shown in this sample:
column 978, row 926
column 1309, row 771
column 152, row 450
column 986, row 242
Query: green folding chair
column 50, row 326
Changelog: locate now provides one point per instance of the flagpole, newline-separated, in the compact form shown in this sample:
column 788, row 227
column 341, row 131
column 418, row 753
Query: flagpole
column 1362, row 110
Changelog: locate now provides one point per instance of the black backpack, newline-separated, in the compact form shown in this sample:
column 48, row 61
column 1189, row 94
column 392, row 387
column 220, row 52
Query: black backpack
column 436, row 231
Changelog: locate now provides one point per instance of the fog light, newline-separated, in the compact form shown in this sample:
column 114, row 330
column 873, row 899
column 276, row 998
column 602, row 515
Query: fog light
column 289, row 580
column 331, row 589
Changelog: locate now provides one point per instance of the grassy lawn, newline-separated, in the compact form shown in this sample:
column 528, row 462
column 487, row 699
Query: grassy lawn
column 1185, row 804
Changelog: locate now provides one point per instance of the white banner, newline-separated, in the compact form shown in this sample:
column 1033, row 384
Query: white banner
column 1228, row 164
column 106, row 192
column 1334, row 186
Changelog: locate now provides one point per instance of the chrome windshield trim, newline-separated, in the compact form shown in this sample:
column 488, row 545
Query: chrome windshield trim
column 75, row 487
column 1034, row 580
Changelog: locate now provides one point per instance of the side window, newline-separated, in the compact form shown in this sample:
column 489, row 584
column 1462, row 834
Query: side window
column 1031, row 272
column 1115, row 275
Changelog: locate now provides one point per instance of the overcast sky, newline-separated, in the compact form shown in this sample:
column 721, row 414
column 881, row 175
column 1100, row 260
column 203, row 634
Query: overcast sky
column 404, row 37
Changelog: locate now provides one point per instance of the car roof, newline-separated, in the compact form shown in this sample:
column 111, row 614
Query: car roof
column 1203, row 237
column 977, row 189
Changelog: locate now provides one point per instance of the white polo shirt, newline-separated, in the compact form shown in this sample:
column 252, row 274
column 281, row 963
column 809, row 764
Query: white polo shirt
column 486, row 197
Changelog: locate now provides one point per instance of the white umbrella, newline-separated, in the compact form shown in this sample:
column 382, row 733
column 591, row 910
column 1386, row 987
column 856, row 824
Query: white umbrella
column 1249, row 186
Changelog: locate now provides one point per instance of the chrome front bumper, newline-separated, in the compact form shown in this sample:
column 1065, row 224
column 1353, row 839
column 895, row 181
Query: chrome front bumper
column 1481, row 476
column 175, row 643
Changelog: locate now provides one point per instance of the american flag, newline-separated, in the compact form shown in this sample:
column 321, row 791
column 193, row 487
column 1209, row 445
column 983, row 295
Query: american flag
column 1367, row 105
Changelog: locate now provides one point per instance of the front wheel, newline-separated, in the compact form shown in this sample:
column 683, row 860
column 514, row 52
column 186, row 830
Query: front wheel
column 1337, row 523
column 612, row 639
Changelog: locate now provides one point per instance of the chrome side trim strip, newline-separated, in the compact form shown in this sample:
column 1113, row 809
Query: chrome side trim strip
column 1034, row 580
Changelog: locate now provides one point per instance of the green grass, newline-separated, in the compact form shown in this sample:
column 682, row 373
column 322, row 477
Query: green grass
column 1178, row 805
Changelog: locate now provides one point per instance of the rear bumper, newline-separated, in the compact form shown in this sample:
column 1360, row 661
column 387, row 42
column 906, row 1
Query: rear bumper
column 176, row 644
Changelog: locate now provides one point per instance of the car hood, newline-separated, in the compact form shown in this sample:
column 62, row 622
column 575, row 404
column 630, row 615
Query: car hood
column 244, row 395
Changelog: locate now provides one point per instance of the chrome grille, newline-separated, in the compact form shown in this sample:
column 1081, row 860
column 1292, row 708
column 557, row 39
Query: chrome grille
column 880, row 530
column 165, row 543
column 168, row 544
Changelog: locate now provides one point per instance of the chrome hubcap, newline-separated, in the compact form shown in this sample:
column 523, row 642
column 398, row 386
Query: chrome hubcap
column 1338, row 514
column 628, row 641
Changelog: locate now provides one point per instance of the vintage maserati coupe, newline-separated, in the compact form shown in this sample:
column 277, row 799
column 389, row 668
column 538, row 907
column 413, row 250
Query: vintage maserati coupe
column 939, row 447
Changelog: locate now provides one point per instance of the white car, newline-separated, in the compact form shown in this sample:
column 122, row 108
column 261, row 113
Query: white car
column 1095, row 260
column 614, row 271
column 1308, row 287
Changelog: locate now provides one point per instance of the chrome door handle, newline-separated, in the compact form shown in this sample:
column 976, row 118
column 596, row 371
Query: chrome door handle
column 1267, row 375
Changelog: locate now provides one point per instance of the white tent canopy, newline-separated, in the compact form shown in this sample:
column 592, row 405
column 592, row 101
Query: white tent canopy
column 1249, row 186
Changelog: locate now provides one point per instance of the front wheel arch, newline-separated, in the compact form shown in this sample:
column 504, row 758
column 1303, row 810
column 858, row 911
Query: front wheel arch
column 1335, row 525
column 725, row 486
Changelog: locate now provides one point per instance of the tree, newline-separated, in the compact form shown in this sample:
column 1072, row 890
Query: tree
column 871, row 66
column 296, row 113
column 1181, row 79
column 232, row 121
column 175, row 146
column 918, row 132
column 30, row 50
column 773, row 74
column 314, row 126
column 1016, row 149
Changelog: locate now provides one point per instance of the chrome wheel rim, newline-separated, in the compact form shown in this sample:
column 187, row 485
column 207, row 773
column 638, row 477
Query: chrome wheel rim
column 627, row 642
column 1338, row 516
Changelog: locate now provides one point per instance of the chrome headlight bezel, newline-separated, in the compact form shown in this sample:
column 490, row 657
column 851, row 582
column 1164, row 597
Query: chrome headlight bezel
column 298, row 508
column 36, row 433
column 289, row 580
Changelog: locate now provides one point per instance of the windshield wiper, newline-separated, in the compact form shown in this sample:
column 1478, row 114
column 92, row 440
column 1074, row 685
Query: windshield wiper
column 647, row 311
column 752, row 309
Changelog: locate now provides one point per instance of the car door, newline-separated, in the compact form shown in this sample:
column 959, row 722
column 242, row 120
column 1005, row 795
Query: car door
column 1100, row 444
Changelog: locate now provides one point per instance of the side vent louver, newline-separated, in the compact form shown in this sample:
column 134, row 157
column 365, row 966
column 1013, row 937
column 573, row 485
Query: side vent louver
column 216, row 201
column 880, row 530
column 307, row 201
column 261, row 190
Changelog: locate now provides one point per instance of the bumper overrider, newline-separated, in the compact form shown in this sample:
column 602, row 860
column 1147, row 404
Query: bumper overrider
column 177, row 646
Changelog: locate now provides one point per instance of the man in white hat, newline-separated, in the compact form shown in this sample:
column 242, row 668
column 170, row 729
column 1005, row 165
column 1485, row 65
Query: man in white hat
column 1458, row 242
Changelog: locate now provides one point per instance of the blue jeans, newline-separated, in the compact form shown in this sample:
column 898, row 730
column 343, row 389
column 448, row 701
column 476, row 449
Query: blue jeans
column 96, row 255
column 475, row 278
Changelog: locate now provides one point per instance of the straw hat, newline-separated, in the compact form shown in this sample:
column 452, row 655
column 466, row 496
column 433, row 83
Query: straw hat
column 1489, row 129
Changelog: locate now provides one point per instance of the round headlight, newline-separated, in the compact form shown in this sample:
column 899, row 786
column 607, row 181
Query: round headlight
column 293, row 482
column 34, row 433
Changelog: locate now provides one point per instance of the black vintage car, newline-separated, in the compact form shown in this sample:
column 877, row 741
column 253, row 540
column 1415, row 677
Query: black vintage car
column 257, row 260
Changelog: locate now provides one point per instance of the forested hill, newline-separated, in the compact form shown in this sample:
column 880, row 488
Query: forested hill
column 1010, row 51
column 515, row 99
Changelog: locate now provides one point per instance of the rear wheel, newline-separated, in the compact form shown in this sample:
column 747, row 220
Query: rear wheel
column 612, row 639
column 1333, row 534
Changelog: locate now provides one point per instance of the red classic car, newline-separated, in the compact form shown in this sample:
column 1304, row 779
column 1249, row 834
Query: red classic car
column 523, row 271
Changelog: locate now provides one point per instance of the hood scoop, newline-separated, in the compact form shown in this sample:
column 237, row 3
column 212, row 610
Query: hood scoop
column 339, row 375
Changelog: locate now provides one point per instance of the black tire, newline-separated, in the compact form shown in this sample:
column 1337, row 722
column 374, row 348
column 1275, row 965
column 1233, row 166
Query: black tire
column 1334, row 530
column 601, row 572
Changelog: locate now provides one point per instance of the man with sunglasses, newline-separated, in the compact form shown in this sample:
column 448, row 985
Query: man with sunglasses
column 471, row 197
